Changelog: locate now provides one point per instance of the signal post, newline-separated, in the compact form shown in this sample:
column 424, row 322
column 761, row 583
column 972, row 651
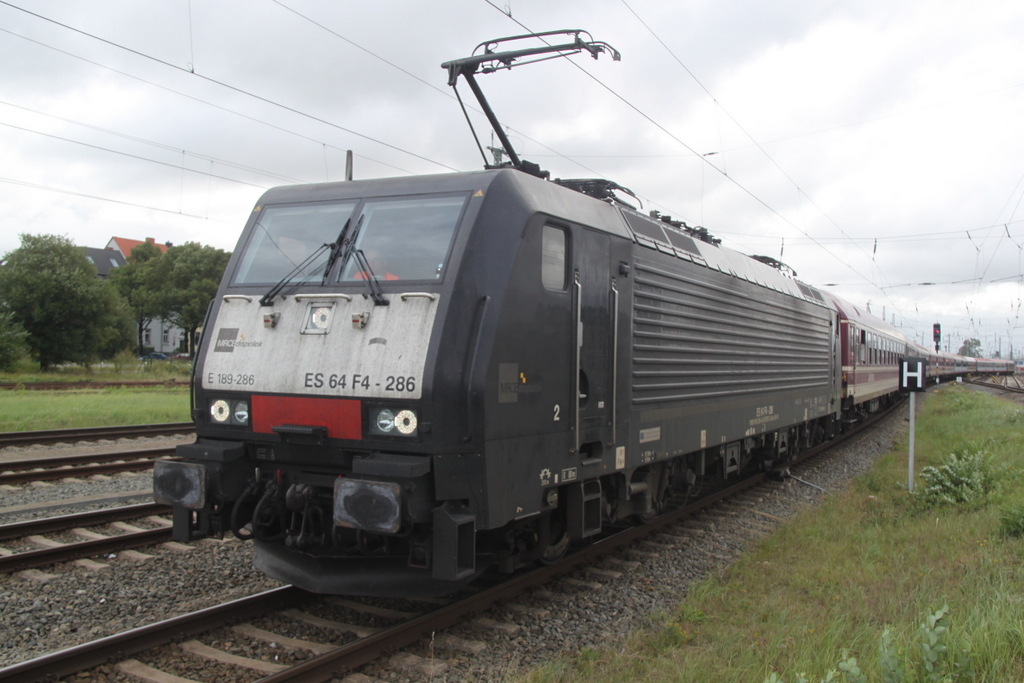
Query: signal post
column 913, row 372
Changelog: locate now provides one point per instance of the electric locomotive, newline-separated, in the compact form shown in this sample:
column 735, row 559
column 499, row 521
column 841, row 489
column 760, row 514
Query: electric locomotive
column 404, row 382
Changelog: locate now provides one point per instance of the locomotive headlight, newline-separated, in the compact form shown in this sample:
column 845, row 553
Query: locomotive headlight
column 405, row 422
column 385, row 421
column 220, row 411
column 320, row 318
column 230, row 411
column 241, row 413
column 393, row 422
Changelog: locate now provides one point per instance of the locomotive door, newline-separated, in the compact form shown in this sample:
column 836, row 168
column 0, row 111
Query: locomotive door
column 595, row 301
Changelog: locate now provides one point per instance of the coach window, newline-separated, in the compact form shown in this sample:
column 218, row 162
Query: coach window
column 552, row 258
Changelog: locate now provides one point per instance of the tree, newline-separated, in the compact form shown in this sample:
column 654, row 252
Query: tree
column 190, row 274
column 970, row 347
column 138, row 283
column 12, row 341
column 69, row 314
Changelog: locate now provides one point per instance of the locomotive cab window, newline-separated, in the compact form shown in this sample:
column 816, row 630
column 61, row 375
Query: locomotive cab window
column 404, row 238
column 552, row 258
column 286, row 235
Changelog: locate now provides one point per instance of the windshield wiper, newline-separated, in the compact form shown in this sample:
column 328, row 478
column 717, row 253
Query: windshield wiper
column 336, row 248
column 268, row 298
column 376, row 293
column 350, row 242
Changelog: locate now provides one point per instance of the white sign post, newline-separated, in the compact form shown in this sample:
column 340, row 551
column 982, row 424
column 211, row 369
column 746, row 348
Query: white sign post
column 912, row 379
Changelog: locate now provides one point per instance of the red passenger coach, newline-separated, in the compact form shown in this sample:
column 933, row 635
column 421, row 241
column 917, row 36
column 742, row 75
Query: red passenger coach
column 870, row 350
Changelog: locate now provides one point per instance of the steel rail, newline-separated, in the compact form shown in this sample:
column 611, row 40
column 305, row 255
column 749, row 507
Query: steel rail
column 43, row 557
column 117, row 647
column 344, row 659
column 78, row 520
column 996, row 385
column 26, row 464
column 49, row 469
column 337, row 663
column 47, row 436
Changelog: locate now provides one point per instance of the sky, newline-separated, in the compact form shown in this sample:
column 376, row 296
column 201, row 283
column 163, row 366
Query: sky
column 871, row 146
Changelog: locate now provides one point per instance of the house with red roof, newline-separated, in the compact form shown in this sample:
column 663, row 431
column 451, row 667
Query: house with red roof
column 125, row 245
column 159, row 334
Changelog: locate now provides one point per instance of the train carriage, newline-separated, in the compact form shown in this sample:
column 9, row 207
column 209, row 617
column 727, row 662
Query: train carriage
column 871, row 349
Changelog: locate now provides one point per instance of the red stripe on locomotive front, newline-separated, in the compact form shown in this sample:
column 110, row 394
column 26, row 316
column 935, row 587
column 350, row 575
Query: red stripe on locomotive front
column 342, row 417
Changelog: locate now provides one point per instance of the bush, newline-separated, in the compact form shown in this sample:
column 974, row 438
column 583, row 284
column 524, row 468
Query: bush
column 966, row 478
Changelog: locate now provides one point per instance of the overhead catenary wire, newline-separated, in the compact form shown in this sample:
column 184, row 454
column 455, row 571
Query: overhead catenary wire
column 151, row 143
column 226, row 85
column 690, row 149
column 86, row 195
column 572, row 159
column 185, row 95
column 985, row 240
column 885, row 290
column 800, row 192
column 132, row 156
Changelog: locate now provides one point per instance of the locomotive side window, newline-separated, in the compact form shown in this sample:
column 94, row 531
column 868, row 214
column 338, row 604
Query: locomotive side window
column 552, row 258
column 285, row 235
column 405, row 239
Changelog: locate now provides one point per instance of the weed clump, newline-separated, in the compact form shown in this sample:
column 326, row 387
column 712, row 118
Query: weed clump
column 966, row 478
column 938, row 660
column 1011, row 521
column 1016, row 417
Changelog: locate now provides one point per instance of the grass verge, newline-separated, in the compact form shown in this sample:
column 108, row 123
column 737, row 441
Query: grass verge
column 123, row 368
column 23, row 410
column 855, row 590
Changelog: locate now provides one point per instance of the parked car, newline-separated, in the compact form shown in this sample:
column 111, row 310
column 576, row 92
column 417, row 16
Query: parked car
column 181, row 356
column 154, row 355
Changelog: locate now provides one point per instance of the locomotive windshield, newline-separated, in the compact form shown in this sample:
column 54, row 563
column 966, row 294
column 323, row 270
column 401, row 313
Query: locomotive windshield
column 402, row 239
column 405, row 239
column 285, row 236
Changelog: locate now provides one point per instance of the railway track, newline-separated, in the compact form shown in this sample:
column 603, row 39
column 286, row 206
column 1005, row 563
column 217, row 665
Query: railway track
column 51, row 436
column 355, row 645
column 45, row 551
column 997, row 385
column 87, row 465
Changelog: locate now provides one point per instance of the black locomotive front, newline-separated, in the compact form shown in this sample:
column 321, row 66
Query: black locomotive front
column 315, row 388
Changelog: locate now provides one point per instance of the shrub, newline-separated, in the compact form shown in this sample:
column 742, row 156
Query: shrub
column 966, row 478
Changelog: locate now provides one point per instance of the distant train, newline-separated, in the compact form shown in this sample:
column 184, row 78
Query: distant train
column 404, row 382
